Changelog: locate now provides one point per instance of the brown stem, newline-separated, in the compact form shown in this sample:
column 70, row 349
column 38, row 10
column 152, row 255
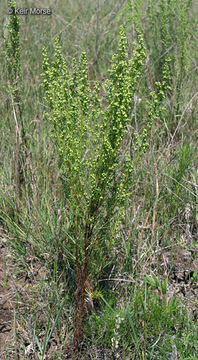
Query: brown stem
column 80, row 307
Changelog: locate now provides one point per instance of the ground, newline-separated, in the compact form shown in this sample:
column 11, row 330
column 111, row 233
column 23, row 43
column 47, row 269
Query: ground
column 6, row 302
column 180, row 283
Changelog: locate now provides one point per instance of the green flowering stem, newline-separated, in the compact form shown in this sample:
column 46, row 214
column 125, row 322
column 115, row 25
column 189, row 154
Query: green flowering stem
column 13, row 61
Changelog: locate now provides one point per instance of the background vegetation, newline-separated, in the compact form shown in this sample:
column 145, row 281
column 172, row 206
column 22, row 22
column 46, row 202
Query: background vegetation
column 144, row 303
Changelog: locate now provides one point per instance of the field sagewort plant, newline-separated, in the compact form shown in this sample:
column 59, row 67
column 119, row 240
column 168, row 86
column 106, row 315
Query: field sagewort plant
column 89, row 130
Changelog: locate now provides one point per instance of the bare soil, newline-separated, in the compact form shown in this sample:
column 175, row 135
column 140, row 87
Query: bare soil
column 6, row 304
